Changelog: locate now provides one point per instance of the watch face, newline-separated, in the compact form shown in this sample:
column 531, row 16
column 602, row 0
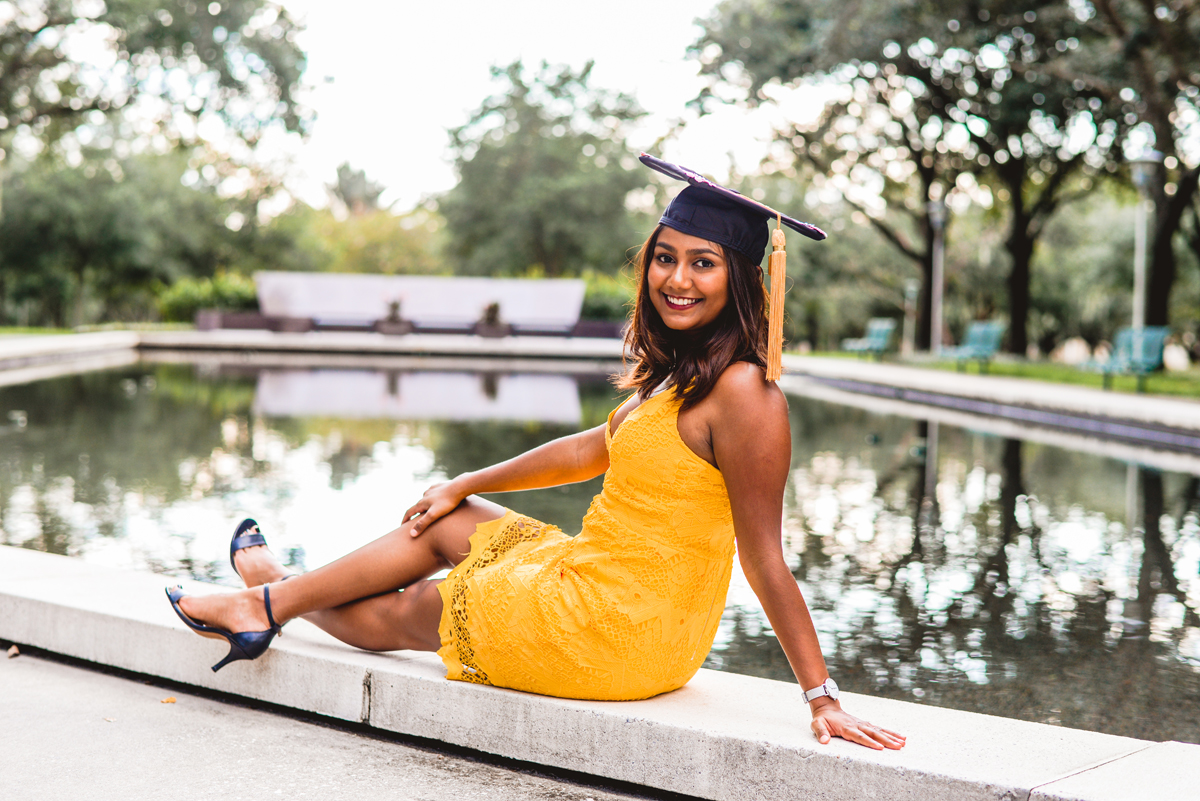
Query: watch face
column 832, row 688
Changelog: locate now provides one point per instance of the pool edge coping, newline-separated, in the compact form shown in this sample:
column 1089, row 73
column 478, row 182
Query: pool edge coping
column 698, row 741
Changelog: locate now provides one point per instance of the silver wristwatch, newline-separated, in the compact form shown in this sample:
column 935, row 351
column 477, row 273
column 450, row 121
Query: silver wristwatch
column 828, row 687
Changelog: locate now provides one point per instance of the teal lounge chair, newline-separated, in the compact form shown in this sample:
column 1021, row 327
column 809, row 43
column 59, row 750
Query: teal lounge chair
column 1136, row 353
column 980, row 344
column 879, row 336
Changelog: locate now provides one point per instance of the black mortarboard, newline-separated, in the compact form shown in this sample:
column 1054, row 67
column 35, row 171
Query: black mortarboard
column 729, row 218
column 712, row 212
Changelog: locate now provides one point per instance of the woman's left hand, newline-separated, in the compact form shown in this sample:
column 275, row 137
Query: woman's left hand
column 831, row 721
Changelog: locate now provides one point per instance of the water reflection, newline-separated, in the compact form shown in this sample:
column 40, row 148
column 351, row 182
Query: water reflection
column 147, row 467
column 942, row 565
column 990, row 575
column 394, row 395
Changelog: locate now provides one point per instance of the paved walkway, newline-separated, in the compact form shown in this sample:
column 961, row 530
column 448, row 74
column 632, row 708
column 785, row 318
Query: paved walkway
column 1151, row 409
column 71, row 733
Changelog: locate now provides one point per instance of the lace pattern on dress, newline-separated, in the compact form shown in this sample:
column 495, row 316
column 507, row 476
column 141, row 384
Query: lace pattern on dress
column 516, row 530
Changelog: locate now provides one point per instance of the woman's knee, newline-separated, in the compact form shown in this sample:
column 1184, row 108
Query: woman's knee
column 450, row 536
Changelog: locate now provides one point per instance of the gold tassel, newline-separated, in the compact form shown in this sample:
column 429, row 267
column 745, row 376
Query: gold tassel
column 778, row 270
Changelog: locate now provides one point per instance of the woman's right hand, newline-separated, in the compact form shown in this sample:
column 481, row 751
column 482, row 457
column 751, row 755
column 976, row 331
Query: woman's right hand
column 438, row 501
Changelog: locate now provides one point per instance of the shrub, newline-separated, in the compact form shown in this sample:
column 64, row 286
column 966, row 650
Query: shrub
column 179, row 302
column 607, row 297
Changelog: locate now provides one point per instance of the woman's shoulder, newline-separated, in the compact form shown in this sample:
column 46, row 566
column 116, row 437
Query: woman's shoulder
column 743, row 390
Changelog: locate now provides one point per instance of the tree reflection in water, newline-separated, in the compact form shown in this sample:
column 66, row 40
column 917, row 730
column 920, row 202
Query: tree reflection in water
column 127, row 467
column 1014, row 589
column 942, row 566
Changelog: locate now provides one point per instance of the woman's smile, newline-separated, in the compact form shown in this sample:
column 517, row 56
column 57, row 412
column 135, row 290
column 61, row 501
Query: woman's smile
column 681, row 303
column 688, row 280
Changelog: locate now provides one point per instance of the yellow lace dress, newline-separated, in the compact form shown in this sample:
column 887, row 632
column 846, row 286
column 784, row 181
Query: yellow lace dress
column 625, row 610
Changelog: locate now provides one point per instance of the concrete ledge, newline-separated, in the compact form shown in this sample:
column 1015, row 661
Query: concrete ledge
column 378, row 344
column 27, row 351
column 87, row 363
column 253, row 361
column 722, row 736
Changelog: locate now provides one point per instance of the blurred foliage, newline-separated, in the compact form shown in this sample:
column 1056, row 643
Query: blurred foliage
column 91, row 242
column 375, row 241
column 1082, row 285
column 99, row 207
column 97, row 242
column 544, row 175
column 225, row 291
column 236, row 60
column 354, row 191
column 836, row 285
column 607, row 297
column 1014, row 103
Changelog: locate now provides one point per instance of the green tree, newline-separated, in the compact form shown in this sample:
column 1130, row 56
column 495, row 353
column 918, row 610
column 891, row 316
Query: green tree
column 93, row 242
column 354, row 191
column 236, row 59
column 937, row 95
column 1150, row 64
column 544, row 173
column 379, row 241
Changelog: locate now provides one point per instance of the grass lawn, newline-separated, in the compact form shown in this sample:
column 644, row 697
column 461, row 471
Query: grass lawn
column 4, row 330
column 86, row 329
column 1186, row 383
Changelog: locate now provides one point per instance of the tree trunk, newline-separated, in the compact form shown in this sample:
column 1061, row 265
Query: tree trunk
column 925, row 307
column 1020, row 250
column 1169, row 218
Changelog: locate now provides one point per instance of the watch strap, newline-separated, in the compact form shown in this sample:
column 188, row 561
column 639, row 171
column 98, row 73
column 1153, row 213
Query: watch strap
column 821, row 690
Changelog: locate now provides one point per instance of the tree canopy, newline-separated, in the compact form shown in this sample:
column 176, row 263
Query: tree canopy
column 93, row 241
column 1031, row 101
column 357, row 194
column 544, row 174
column 65, row 61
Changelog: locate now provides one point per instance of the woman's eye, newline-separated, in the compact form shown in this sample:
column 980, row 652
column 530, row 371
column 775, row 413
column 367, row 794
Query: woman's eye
column 664, row 258
column 704, row 264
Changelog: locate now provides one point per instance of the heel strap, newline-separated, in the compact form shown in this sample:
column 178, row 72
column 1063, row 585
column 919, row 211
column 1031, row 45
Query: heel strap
column 275, row 627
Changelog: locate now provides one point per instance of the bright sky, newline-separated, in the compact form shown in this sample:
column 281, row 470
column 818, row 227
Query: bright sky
column 389, row 78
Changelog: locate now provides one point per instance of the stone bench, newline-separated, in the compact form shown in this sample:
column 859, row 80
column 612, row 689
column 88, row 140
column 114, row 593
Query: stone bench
column 723, row 736
column 430, row 303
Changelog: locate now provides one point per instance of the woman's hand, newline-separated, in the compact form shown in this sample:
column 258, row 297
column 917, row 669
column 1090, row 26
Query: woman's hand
column 831, row 721
column 438, row 501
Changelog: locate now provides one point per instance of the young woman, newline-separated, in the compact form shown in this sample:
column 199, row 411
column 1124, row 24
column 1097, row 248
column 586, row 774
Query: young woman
column 695, row 460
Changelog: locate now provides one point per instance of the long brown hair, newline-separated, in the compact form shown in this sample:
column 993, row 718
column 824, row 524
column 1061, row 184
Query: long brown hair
column 692, row 361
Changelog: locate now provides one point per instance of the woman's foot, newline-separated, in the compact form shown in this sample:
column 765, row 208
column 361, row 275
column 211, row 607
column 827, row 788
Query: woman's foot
column 233, row 611
column 257, row 565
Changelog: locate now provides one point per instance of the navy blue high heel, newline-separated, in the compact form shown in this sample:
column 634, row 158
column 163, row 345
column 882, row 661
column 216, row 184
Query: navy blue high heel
column 247, row 535
column 242, row 644
column 242, row 539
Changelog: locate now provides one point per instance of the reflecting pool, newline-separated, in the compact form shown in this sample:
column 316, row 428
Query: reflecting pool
column 943, row 565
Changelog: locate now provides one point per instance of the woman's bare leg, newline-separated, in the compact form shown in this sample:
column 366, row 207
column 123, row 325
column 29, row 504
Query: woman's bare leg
column 354, row 598
column 393, row 621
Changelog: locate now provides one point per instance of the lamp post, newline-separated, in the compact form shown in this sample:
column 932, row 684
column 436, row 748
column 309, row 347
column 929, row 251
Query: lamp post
column 937, row 219
column 912, row 287
column 1144, row 170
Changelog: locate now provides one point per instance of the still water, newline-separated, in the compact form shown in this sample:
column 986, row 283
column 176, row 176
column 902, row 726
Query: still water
column 943, row 566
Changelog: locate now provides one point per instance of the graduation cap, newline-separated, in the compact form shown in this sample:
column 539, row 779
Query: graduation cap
column 713, row 212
